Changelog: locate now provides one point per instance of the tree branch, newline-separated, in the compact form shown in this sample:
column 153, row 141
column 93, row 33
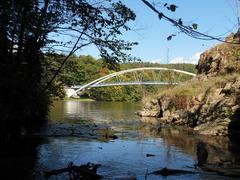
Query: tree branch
column 74, row 49
column 185, row 29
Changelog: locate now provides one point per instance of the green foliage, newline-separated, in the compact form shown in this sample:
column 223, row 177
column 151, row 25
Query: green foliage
column 83, row 69
column 29, row 38
column 116, row 93
column 181, row 66
column 194, row 88
column 79, row 70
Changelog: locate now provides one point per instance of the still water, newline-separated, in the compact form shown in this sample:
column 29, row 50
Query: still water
column 125, row 156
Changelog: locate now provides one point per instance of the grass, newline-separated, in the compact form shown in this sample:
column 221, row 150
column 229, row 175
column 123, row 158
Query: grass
column 195, row 87
column 183, row 95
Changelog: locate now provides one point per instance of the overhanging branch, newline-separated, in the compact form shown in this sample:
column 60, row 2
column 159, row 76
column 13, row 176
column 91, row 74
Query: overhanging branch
column 74, row 49
column 185, row 29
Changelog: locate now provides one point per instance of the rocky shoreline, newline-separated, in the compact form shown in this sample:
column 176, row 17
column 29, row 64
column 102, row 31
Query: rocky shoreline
column 215, row 112
column 210, row 102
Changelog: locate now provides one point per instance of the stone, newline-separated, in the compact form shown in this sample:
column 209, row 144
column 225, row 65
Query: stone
column 148, row 113
column 166, row 103
column 150, row 120
column 235, row 108
column 166, row 113
column 219, row 59
column 214, row 109
column 228, row 86
column 200, row 97
column 213, row 128
column 150, row 109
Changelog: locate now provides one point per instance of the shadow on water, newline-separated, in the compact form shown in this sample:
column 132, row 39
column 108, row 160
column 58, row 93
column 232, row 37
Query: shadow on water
column 18, row 159
column 212, row 153
column 234, row 126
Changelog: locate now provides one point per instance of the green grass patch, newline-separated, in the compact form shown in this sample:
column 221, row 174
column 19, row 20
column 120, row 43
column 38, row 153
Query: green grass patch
column 183, row 95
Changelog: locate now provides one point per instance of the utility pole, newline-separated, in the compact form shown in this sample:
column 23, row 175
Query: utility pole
column 167, row 58
column 238, row 13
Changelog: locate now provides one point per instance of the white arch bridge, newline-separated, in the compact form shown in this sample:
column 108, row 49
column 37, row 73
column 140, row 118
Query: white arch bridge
column 100, row 81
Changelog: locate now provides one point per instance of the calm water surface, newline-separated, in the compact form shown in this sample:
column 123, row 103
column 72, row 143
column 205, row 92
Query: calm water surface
column 125, row 156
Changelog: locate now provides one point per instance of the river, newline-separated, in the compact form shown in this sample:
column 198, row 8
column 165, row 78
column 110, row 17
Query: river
column 139, row 149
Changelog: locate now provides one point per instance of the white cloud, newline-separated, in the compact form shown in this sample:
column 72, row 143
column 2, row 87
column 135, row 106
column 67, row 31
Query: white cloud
column 197, row 55
column 155, row 61
column 177, row 60
column 192, row 60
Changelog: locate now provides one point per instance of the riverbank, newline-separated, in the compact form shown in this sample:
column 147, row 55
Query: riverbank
column 78, row 135
column 209, row 103
column 209, row 106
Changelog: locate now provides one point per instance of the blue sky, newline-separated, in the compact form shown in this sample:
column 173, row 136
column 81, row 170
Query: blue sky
column 214, row 17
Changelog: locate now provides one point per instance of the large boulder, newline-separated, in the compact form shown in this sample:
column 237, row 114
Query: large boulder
column 221, row 59
column 151, row 109
column 210, row 102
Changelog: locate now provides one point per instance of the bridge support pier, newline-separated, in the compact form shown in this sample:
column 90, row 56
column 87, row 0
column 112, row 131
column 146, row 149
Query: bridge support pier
column 71, row 93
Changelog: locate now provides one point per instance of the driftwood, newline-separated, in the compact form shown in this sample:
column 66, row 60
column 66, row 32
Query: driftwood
column 87, row 171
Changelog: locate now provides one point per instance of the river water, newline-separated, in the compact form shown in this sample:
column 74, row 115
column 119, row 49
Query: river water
column 125, row 156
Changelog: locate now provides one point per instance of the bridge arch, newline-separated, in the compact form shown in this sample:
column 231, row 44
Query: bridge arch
column 109, row 76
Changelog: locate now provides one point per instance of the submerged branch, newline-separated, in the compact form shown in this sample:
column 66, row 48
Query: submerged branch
column 87, row 171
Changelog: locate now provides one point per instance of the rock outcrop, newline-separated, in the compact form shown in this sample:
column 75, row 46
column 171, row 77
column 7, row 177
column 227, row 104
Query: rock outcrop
column 151, row 109
column 209, row 103
column 221, row 59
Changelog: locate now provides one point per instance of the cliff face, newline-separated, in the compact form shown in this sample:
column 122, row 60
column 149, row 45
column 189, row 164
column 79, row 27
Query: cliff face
column 221, row 59
column 210, row 102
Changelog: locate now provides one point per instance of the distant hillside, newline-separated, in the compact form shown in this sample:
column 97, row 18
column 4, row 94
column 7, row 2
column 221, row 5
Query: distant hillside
column 182, row 66
column 84, row 69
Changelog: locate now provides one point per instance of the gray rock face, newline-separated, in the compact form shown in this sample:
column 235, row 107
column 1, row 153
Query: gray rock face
column 214, row 110
column 217, row 127
column 151, row 109
column 221, row 59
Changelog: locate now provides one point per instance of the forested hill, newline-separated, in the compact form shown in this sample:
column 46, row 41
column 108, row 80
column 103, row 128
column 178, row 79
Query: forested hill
column 83, row 69
column 181, row 66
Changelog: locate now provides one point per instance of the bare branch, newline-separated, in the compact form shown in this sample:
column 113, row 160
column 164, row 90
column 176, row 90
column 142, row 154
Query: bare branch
column 186, row 29
column 74, row 49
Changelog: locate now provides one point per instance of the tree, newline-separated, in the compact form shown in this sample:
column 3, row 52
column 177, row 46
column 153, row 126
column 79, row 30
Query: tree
column 30, row 28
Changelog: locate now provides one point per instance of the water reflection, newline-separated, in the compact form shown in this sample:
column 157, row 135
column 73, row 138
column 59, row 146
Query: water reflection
column 18, row 159
column 172, row 147
column 126, row 156
column 111, row 113
column 210, row 153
